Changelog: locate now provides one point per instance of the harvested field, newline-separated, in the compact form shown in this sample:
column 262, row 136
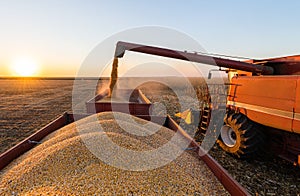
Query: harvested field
column 25, row 106
column 28, row 105
column 66, row 166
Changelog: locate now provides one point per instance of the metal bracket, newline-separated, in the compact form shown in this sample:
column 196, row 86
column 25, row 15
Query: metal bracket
column 34, row 142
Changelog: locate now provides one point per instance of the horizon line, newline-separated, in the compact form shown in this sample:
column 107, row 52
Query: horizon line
column 74, row 77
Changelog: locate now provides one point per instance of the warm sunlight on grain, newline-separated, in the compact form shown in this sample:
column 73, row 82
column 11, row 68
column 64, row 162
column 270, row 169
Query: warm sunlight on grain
column 24, row 67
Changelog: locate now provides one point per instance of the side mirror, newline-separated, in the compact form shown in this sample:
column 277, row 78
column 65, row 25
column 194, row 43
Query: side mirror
column 210, row 72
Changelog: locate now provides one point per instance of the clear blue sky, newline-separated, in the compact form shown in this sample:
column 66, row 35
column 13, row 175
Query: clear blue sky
column 61, row 33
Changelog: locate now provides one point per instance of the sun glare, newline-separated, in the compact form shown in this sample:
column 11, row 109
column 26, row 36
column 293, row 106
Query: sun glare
column 24, row 67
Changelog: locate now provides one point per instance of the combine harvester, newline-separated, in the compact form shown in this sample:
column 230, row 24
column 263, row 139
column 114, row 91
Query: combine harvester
column 263, row 102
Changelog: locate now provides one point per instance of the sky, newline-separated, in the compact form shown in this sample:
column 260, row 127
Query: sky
column 58, row 35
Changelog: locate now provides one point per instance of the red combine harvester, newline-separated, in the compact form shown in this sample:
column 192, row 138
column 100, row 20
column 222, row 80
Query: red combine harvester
column 263, row 102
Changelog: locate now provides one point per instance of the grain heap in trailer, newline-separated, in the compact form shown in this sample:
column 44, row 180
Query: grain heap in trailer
column 263, row 102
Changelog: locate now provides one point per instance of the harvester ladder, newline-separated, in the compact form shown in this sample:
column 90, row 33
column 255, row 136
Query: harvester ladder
column 213, row 102
column 205, row 118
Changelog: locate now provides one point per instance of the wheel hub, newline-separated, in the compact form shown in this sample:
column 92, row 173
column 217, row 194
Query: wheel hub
column 228, row 136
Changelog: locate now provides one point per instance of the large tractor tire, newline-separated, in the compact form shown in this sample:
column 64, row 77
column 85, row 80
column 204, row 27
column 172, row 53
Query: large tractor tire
column 240, row 136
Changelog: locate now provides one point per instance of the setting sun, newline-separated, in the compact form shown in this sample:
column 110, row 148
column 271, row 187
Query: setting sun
column 24, row 67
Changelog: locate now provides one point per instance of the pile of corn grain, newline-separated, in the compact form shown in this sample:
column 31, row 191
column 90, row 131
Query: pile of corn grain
column 63, row 165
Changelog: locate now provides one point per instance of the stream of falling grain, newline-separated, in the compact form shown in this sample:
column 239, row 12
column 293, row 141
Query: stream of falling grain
column 114, row 76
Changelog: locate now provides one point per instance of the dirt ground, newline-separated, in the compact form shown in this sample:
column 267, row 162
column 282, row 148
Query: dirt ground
column 28, row 105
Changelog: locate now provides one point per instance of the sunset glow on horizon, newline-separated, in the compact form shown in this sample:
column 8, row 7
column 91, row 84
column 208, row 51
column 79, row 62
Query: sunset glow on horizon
column 24, row 67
